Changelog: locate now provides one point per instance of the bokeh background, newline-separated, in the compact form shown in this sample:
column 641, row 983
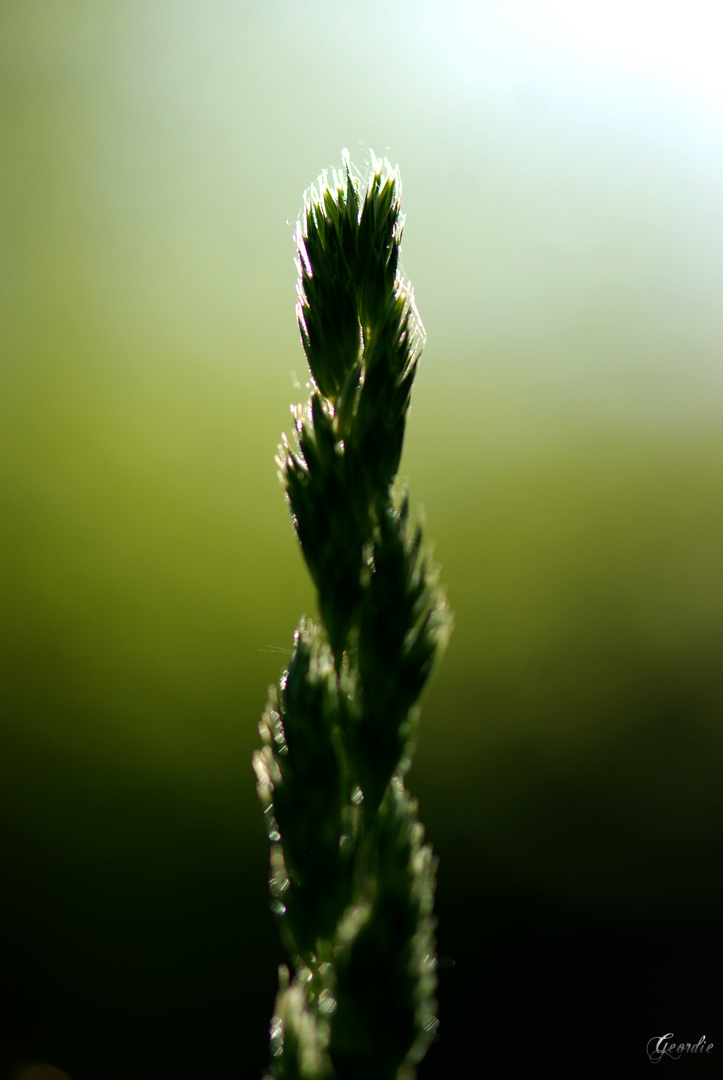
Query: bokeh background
column 562, row 169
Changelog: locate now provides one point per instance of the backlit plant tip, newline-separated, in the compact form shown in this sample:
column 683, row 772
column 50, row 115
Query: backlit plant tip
column 352, row 880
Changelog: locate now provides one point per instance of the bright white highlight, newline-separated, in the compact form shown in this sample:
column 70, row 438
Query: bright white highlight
column 496, row 46
column 672, row 42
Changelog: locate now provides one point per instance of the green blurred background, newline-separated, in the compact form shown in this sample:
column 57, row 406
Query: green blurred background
column 562, row 172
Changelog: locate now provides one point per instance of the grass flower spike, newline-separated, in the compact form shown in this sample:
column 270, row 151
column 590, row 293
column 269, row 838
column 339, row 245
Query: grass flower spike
column 352, row 881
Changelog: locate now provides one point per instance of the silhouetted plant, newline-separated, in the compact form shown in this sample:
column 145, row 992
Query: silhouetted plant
column 352, row 882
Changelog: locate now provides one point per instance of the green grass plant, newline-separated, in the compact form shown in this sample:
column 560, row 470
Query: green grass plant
column 352, row 881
